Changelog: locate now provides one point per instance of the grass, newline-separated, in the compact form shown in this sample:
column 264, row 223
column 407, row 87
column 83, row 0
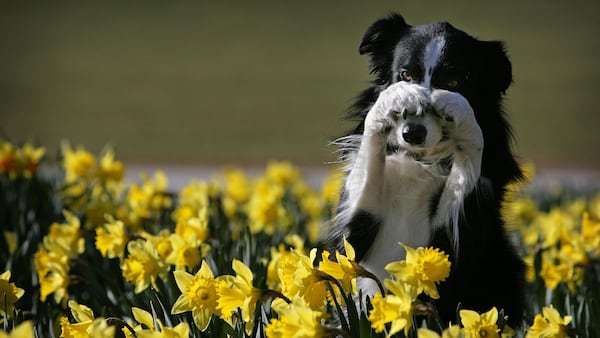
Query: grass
column 243, row 83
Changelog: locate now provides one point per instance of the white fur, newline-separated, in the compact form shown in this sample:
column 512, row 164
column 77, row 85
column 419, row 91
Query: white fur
column 399, row 189
column 431, row 57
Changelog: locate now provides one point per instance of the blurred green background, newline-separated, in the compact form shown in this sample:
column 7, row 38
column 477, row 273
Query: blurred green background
column 244, row 82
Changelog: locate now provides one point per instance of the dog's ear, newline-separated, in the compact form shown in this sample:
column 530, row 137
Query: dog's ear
column 380, row 40
column 496, row 65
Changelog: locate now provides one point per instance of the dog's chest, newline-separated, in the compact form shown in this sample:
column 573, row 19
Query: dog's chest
column 409, row 192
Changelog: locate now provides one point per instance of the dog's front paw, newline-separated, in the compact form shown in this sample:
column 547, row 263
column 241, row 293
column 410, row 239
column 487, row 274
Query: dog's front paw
column 398, row 99
column 456, row 109
column 452, row 106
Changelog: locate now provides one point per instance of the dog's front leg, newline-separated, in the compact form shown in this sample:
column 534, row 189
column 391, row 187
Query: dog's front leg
column 363, row 208
column 466, row 165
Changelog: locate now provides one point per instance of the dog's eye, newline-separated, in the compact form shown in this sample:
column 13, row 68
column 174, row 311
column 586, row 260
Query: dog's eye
column 405, row 76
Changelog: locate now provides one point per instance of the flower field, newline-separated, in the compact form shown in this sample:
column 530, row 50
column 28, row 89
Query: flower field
column 83, row 254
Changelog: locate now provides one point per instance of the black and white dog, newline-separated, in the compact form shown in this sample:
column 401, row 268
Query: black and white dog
column 429, row 162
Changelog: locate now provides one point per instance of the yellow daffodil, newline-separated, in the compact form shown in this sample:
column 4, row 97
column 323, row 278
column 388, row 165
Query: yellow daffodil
column 147, row 200
column 28, row 159
column 237, row 292
column 480, row 326
column 181, row 330
column 198, row 294
column 197, row 227
column 78, row 164
column 23, row 330
column 273, row 281
column 299, row 277
column 67, row 235
column 86, row 324
column 9, row 294
column 552, row 273
column 297, row 243
column 186, row 253
column 8, row 157
column 594, row 207
column 297, row 320
column 143, row 265
column 332, row 187
column 549, row 325
column 195, row 195
column 344, row 268
column 110, row 170
column 111, row 239
column 590, row 233
column 236, row 185
column 518, row 212
column 265, row 210
column 161, row 241
column 422, row 268
column 55, row 279
column 395, row 308
column 282, row 173
column 20, row 162
column 554, row 226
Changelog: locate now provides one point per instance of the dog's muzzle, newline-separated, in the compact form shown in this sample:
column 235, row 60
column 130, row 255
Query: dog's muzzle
column 414, row 133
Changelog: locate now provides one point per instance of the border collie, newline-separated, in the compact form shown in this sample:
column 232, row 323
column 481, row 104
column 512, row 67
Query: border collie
column 429, row 160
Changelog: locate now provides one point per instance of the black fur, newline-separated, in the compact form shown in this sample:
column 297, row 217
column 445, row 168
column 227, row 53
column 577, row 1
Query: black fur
column 486, row 271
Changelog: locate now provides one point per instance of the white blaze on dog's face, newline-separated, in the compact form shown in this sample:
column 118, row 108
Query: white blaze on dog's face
column 420, row 132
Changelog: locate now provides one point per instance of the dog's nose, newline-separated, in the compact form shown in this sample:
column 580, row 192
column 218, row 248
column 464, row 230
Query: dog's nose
column 414, row 133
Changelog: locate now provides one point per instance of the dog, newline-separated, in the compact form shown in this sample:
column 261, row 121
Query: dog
column 429, row 161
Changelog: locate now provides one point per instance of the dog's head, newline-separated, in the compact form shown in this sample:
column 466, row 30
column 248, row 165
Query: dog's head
column 437, row 56
column 440, row 56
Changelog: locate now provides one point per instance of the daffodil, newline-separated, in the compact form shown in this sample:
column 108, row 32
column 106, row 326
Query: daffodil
column 265, row 210
column 590, row 233
column 344, row 268
column 296, row 319
column 147, row 200
column 282, row 173
column 554, row 273
column 86, row 325
column 181, row 330
column 332, row 187
column 235, row 292
column 549, row 324
column 195, row 195
column 28, row 159
column 9, row 294
column 422, row 268
column 8, row 157
column 187, row 227
column 78, row 164
column 299, row 277
column 480, row 326
column 109, row 169
column 198, row 294
column 143, row 265
column 554, row 226
column 23, row 330
column 111, row 239
column 54, row 278
column 186, row 253
column 67, row 236
column 236, row 185
column 395, row 308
